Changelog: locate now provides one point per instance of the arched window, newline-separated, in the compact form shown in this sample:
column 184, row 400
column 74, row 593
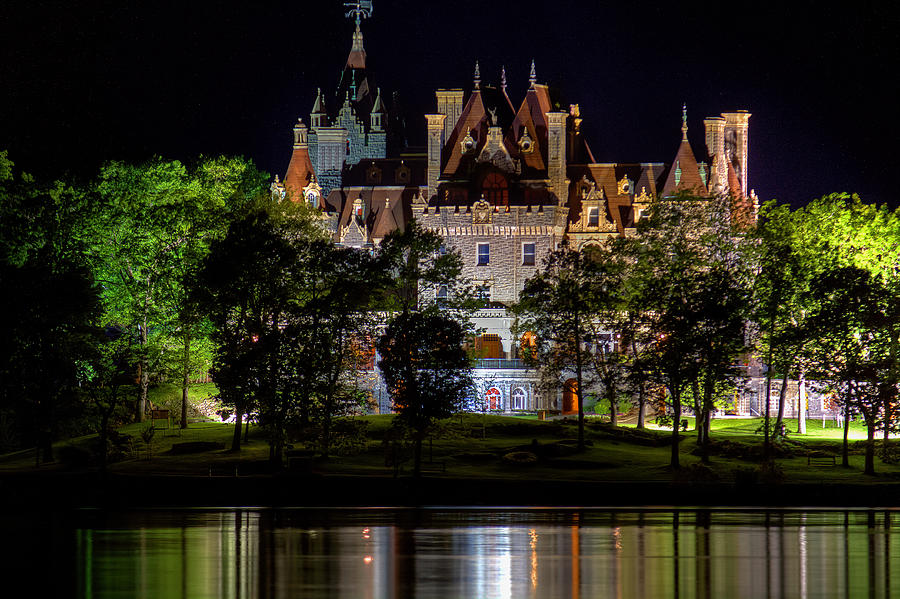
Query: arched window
column 518, row 398
column 495, row 190
column 493, row 399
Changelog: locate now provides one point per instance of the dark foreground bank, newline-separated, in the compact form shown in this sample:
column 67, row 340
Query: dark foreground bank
column 58, row 490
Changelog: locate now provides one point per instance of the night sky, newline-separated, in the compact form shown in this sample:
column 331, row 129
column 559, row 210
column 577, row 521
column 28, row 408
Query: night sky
column 86, row 82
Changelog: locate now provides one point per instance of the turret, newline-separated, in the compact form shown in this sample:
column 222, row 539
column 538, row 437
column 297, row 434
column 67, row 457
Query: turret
column 376, row 118
column 435, row 145
column 556, row 155
column 318, row 117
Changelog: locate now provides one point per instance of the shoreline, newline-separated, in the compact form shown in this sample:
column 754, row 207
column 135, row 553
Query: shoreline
column 69, row 490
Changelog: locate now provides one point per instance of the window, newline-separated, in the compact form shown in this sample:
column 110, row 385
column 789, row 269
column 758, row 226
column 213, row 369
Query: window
column 442, row 296
column 518, row 398
column 496, row 190
column 484, row 254
column 493, row 399
column 483, row 294
column 594, row 217
column 528, row 254
column 490, row 347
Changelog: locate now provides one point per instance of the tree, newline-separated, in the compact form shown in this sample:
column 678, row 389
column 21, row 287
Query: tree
column 105, row 376
column 851, row 347
column 685, row 277
column 425, row 369
column 50, row 305
column 329, row 331
column 561, row 305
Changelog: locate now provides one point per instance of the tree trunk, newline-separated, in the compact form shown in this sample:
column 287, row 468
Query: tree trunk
column 782, row 395
column 801, row 403
column 613, row 409
column 641, row 407
column 870, row 445
column 676, row 424
column 186, row 357
column 417, row 461
column 845, row 449
column 236, row 438
column 698, row 411
column 145, row 375
column 767, row 445
column 580, row 396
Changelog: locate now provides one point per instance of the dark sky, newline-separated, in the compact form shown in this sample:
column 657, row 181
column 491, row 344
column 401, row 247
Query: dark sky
column 84, row 82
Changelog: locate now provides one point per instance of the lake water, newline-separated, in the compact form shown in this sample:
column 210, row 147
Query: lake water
column 464, row 553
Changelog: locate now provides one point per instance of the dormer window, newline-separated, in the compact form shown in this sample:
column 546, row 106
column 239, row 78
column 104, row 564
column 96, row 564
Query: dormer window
column 373, row 175
column 468, row 143
column 594, row 217
column 359, row 210
column 402, row 174
column 525, row 142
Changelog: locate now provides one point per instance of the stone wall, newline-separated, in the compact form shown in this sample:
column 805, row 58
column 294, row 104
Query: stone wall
column 505, row 232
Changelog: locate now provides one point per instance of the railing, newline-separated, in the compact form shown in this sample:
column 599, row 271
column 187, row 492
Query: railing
column 497, row 363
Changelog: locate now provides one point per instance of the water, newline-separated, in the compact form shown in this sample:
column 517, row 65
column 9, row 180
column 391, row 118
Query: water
column 474, row 553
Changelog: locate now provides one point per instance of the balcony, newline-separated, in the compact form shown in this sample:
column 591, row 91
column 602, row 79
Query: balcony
column 497, row 364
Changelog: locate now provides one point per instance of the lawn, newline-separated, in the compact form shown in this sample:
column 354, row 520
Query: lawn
column 473, row 446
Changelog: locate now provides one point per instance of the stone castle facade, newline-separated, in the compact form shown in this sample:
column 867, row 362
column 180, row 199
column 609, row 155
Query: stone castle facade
column 502, row 183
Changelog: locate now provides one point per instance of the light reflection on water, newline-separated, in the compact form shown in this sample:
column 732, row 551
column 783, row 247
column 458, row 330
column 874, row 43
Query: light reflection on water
column 479, row 553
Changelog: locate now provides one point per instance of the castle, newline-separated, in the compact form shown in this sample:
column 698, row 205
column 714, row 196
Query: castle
column 502, row 183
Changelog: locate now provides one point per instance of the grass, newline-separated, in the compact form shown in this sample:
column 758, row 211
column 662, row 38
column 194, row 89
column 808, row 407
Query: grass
column 472, row 445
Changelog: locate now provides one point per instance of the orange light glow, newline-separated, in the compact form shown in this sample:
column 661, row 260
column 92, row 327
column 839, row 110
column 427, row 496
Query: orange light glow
column 367, row 560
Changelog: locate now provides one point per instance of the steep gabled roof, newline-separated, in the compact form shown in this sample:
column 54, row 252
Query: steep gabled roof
column 684, row 173
column 472, row 119
column 299, row 173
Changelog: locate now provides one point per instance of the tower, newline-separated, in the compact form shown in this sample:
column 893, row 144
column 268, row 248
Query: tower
column 354, row 126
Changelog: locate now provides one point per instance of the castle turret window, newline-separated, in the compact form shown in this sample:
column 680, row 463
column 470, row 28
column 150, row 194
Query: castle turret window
column 527, row 254
column 484, row 254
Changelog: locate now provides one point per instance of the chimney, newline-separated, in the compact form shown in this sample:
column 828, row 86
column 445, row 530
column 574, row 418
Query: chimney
column 556, row 155
column 737, row 133
column 435, row 146
column 715, row 148
column 449, row 103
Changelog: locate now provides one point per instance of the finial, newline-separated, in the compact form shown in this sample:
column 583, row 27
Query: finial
column 532, row 78
column 684, row 122
column 360, row 9
column 503, row 77
column 477, row 76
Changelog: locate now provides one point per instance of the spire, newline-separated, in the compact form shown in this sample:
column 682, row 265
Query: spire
column 359, row 10
column 532, row 78
column 503, row 78
column 477, row 76
column 379, row 105
column 319, row 106
column 684, row 122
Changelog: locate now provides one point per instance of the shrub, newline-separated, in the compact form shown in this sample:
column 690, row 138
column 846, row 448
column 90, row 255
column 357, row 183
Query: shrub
column 696, row 473
column 520, row 458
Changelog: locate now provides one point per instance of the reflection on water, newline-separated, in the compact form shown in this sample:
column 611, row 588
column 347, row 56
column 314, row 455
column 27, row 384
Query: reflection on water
column 485, row 553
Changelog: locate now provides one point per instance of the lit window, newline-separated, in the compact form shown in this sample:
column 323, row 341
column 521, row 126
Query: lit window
column 528, row 254
column 484, row 254
column 518, row 398
column 483, row 293
column 594, row 217
column 494, row 399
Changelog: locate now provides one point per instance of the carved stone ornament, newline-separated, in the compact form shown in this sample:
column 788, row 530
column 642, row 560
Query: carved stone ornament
column 643, row 197
column 626, row 186
column 467, row 145
column 418, row 199
column 592, row 192
column 481, row 212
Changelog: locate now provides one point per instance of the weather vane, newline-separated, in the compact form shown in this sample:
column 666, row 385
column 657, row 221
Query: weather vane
column 361, row 9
